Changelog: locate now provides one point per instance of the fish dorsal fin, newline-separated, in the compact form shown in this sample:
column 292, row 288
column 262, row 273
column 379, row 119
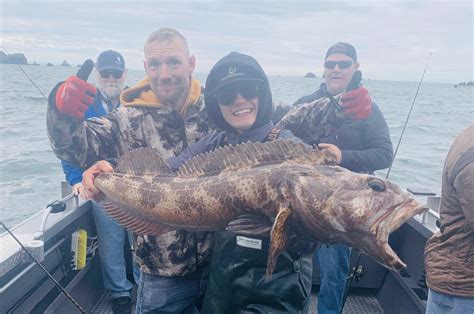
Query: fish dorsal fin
column 143, row 161
column 252, row 154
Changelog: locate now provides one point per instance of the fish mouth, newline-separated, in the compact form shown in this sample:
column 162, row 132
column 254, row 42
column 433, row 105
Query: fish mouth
column 396, row 216
column 402, row 213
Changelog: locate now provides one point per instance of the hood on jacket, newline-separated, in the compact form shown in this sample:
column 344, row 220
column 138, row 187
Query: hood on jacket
column 141, row 95
column 238, row 63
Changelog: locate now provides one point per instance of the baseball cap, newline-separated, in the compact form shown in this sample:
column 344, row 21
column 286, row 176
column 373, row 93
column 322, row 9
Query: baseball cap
column 342, row 48
column 232, row 73
column 110, row 59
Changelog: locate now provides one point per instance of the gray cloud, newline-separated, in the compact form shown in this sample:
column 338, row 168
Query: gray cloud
column 393, row 38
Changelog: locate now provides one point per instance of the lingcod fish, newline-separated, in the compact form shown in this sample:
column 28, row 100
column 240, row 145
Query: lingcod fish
column 279, row 188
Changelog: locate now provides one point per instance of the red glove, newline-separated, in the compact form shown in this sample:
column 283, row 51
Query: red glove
column 74, row 96
column 357, row 103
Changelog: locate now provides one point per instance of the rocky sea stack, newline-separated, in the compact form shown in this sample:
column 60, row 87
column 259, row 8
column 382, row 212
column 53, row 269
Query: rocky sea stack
column 14, row 58
column 470, row 83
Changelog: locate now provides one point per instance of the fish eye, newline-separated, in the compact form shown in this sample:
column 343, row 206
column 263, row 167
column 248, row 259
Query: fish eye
column 377, row 185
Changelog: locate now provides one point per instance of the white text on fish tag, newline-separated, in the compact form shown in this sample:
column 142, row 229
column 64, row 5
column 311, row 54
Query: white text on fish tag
column 249, row 242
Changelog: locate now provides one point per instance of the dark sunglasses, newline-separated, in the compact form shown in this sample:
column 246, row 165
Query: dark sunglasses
column 115, row 73
column 342, row 64
column 226, row 95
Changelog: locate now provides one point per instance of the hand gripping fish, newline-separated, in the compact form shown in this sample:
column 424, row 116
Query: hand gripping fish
column 283, row 187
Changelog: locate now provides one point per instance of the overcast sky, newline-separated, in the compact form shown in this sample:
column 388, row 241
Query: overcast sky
column 393, row 38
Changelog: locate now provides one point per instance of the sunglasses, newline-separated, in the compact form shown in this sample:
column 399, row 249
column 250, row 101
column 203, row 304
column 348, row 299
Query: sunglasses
column 342, row 64
column 226, row 96
column 115, row 73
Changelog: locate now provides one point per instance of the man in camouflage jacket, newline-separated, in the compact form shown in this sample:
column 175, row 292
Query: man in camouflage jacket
column 164, row 111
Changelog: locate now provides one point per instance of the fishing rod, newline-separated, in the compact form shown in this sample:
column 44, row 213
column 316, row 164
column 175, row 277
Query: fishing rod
column 83, row 74
column 408, row 116
column 74, row 302
column 32, row 82
column 356, row 270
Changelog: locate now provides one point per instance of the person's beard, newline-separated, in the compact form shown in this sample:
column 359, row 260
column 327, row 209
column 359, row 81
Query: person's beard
column 111, row 89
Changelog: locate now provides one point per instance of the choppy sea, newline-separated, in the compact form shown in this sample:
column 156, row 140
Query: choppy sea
column 30, row 174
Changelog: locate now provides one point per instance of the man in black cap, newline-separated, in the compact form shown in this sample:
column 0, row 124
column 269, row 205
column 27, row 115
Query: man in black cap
column 339, row 67
column 111, row 73
column 341, row 118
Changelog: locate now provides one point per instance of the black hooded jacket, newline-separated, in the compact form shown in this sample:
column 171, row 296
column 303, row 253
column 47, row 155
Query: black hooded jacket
column 257, row 133
column 265, row 107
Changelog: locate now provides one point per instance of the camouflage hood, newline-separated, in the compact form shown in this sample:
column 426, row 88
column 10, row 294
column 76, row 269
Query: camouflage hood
column 142, row 95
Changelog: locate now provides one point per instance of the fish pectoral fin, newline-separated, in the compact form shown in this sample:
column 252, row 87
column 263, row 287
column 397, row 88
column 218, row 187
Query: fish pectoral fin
column 251, row 225
column 278, row 238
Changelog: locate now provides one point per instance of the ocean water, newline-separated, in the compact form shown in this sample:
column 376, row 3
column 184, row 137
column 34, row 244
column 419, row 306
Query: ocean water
column 30, row 174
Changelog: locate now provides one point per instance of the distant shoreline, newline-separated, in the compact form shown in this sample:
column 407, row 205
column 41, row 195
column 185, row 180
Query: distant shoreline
column 269, row 75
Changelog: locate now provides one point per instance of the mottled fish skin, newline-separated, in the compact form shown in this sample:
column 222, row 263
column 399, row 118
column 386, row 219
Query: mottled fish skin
column 313, row 121
column 320, row 202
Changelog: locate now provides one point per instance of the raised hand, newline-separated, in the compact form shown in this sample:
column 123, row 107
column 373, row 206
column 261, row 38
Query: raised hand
column 356, row 104
column 75, row 95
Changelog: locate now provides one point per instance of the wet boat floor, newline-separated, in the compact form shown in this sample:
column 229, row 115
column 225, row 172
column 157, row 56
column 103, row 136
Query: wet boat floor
column 358, row 302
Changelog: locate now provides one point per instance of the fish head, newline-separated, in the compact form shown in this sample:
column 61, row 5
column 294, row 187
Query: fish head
column 360, row 210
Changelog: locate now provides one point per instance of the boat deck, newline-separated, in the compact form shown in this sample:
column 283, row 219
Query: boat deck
column 104, row 303
column 359, row 302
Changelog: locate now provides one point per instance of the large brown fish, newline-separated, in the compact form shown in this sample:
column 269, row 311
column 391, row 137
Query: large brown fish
column 253, row 188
